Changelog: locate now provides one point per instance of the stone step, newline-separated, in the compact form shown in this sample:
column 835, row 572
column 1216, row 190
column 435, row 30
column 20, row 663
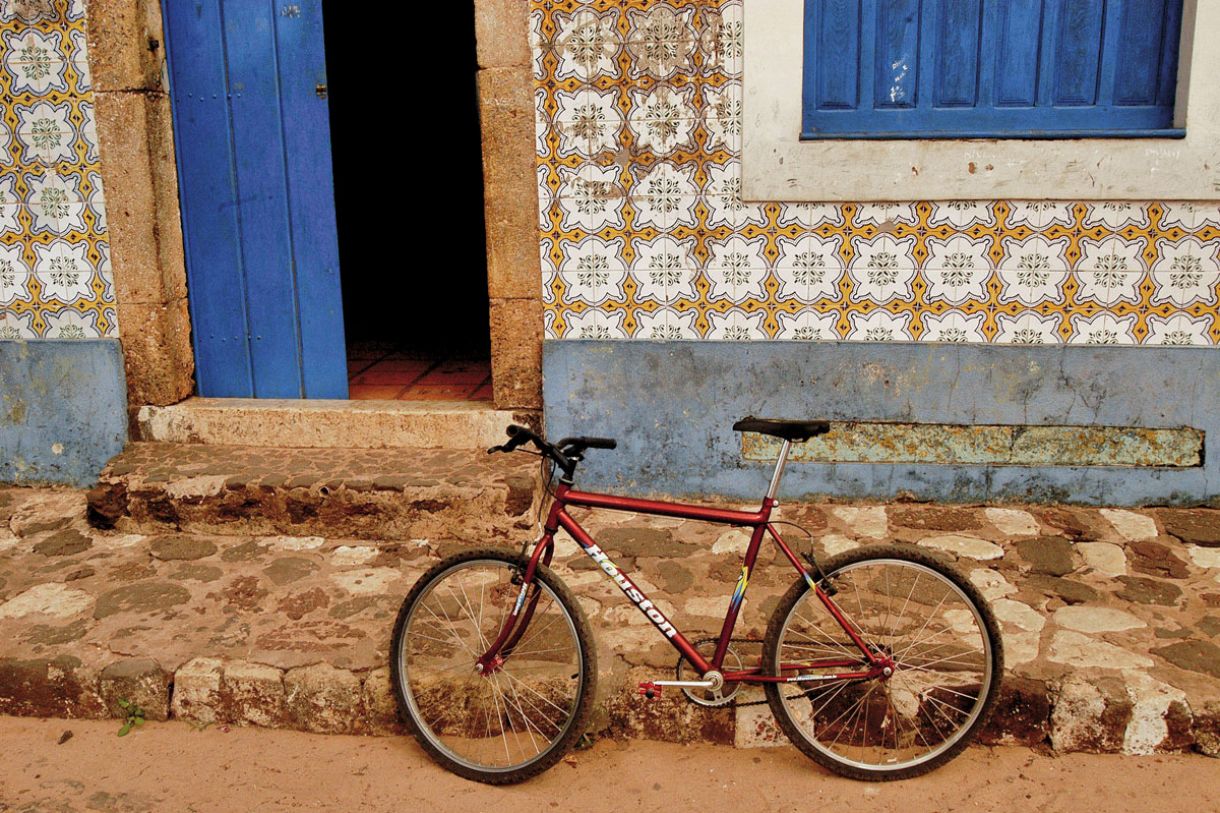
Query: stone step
column 320, row 424
column 374, row 494
column 293, row 631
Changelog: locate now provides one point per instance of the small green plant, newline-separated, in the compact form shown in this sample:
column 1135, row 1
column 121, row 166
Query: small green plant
column 135, row 716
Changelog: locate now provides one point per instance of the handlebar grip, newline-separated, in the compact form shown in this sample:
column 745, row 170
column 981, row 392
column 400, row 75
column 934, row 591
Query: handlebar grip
column 599, row 443
column 517, row 436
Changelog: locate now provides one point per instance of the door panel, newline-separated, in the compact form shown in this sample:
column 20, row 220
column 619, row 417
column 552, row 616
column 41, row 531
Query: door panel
column 248, row 87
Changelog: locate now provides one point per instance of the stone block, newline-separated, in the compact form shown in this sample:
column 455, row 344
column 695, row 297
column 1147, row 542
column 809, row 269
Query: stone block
column 1160, row 718
column 1021, row 715
column 1207, row 728
column 380, row 706
column 252, row 694
column 136, row 142
column 157, row 352
column 323, row 698
column 141, row 681
column 1048, row 555
column 49, row 687
column 516, row 353
column 1090, row 714
column 197, row 690
column 755, row 726
column 125, row 44
column 1196, row 526
column 501, row 28
column 509, row 182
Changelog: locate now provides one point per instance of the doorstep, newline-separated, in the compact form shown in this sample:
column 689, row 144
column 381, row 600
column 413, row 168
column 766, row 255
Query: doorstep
column 324, row 424
column 375, row 494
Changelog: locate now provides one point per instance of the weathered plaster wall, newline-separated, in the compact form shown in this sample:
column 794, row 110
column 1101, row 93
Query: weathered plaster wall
column 671, row 405
column 62, row 410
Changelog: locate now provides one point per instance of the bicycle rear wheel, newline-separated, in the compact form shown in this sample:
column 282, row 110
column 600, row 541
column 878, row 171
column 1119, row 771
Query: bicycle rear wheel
column 518, row 720
column 947, row 657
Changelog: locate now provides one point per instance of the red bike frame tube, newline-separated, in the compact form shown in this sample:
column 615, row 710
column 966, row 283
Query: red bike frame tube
column 830, row 606
column 675, row 638
column 759, row 521
column 739, row 593
column 570, row 496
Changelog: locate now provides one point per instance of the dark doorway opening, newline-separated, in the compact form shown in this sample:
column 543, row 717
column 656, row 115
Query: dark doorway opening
column 406, row 148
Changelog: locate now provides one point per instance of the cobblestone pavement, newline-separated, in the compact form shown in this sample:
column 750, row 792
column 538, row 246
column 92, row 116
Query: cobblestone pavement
column 1111, row 618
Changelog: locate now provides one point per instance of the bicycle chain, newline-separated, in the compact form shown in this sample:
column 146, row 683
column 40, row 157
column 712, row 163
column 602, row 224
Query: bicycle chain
column 699, row 642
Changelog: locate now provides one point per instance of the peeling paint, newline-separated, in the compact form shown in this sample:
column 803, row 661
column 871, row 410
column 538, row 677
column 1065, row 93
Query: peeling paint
column 64, row 410
column 994, row 445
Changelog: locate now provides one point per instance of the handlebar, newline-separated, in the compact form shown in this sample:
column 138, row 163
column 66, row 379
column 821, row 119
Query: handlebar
column 566, row 453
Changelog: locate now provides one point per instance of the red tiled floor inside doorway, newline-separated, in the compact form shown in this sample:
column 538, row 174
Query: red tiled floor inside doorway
column 377, row 373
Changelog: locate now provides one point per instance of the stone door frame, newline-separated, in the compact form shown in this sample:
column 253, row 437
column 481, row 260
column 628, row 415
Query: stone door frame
column 135, row 131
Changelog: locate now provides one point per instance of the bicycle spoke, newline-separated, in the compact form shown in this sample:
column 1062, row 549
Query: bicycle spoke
column 515, row 713
column 923, row 623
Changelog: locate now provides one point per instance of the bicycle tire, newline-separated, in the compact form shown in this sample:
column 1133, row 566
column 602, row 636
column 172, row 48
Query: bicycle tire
column 585, row 686
column 992, row 656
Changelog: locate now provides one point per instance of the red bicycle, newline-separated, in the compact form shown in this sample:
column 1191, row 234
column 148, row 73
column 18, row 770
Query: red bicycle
column 880, row 663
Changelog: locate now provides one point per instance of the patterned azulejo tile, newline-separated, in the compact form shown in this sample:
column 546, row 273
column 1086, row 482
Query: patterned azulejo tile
column 645, row 234
column 55, row 277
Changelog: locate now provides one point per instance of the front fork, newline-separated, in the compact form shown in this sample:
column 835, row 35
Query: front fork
column 518, row 620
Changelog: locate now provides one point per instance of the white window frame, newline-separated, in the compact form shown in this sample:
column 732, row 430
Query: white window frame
column 778, row 166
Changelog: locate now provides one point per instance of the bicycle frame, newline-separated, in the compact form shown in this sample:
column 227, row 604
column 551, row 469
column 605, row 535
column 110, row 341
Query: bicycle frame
column 760, row 524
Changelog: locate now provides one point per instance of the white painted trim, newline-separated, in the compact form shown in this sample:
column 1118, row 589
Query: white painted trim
column 777, row 165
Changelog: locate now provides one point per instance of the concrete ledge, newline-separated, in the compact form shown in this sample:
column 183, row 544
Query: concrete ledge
column 62, row 410
column 320, row 424
column 671, row 405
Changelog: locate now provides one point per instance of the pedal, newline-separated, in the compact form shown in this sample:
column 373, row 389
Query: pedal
column 649, row 690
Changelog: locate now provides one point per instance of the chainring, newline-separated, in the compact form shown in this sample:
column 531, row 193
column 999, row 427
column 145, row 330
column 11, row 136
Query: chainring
column 727, row 692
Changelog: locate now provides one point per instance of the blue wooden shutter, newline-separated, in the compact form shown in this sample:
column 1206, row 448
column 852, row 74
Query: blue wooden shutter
column 251, row 126
column 990, row 68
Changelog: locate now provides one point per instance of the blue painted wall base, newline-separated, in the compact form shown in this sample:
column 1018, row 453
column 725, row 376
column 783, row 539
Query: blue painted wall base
column 672, row 405
column 63, row 410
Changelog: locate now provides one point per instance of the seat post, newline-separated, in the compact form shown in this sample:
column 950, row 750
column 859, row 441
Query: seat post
column 780, row 462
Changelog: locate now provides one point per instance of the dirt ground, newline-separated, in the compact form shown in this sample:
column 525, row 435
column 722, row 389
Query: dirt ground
column 174, row 767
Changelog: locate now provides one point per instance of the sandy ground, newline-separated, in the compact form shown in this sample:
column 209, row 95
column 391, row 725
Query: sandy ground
column 174, row 767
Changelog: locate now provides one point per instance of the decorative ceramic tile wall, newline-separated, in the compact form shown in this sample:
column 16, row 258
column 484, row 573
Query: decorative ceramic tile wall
column 645, row 234
column 55, row 280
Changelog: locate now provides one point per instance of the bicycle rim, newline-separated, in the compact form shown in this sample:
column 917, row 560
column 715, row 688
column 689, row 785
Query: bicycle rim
column 943, row 667
column 518, row 714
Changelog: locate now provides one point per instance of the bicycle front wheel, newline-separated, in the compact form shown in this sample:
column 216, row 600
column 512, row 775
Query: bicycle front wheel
column 517, row 720
column 947, row 662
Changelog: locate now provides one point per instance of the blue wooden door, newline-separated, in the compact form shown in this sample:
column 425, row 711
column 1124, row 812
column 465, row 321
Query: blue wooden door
column 248, row 88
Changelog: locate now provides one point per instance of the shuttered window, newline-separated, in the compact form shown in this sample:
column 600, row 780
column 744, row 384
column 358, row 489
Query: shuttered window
column 990, row 68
